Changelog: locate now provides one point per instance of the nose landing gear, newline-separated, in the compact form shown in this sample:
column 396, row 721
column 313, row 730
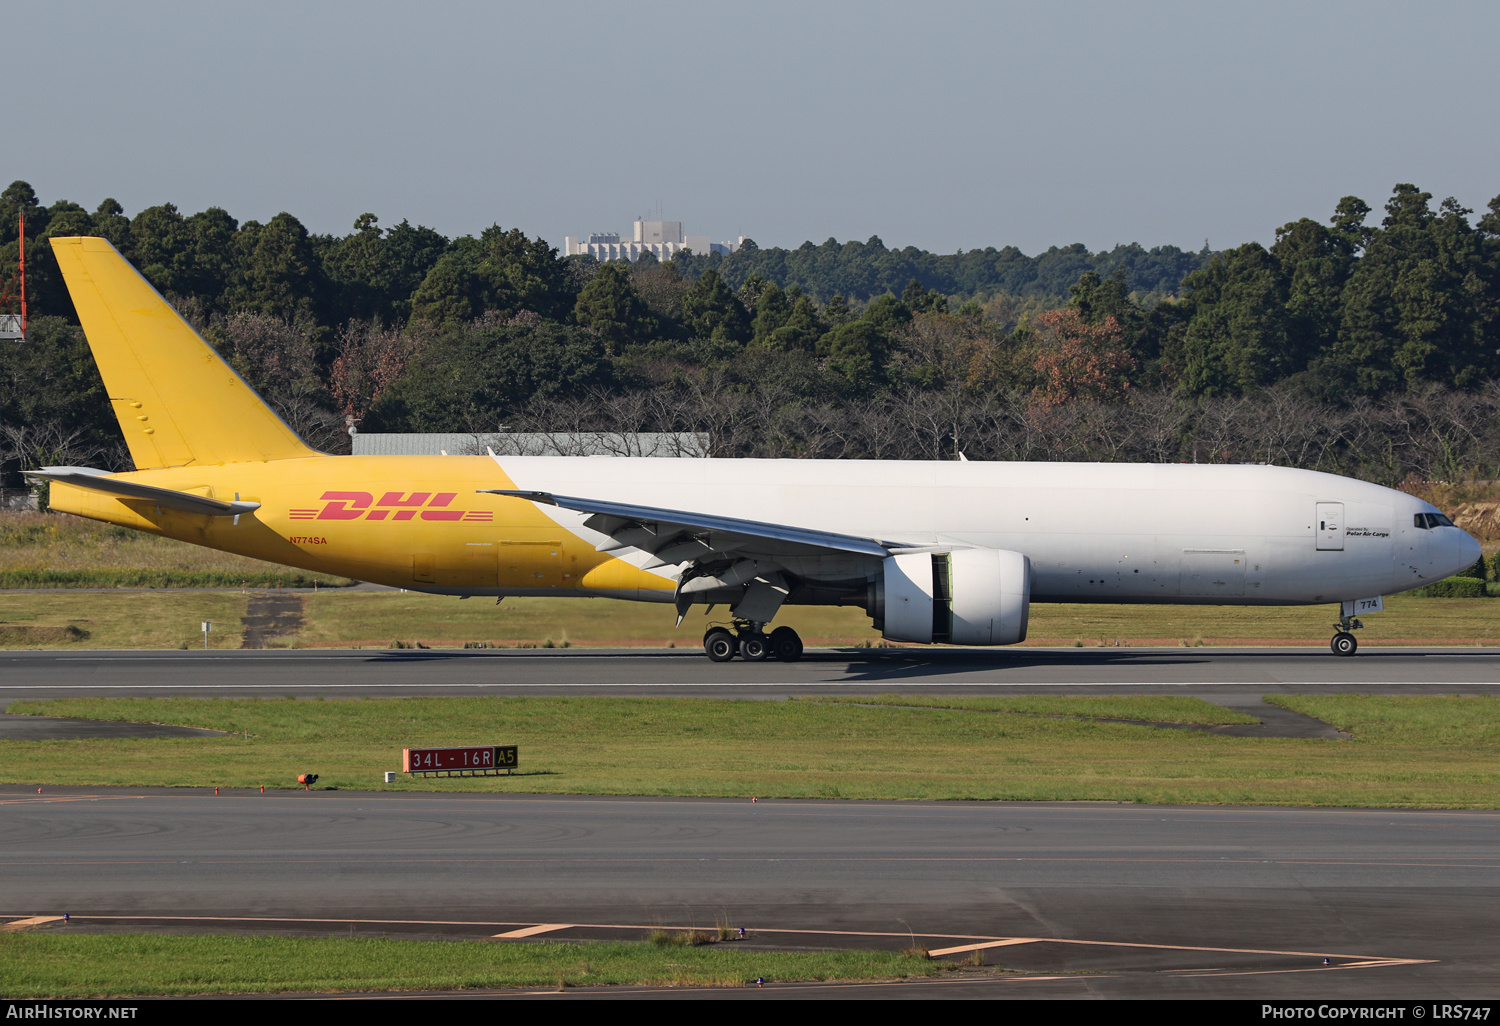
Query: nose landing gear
column 1344, row 642
column 750, row 643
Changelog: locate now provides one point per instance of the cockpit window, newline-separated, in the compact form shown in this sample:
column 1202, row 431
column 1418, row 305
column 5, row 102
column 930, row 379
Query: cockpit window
column 1430, row 520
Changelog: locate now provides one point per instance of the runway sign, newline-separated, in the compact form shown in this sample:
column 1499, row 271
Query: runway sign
column 481, row 761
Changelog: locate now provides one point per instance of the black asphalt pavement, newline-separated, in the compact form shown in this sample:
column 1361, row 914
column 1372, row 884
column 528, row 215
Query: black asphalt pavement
column 1223, row 671
column 1141, row 900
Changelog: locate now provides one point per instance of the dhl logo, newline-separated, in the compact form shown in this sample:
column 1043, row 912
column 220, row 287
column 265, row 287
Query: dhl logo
column 392, row 506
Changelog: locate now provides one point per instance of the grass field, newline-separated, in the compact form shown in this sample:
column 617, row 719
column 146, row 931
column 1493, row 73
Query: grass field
column 55, row 550
column 134, row 619
column 1419, row 751
column 169, row 618
column 42, row 964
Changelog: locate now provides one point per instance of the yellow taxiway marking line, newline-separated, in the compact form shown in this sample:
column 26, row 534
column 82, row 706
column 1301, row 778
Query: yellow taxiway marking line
column 531, row 931
column 21, row 924
column 978, row 947
column 1361, row 960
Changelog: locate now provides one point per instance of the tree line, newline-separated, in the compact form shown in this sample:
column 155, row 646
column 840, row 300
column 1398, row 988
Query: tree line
column 1379, row 339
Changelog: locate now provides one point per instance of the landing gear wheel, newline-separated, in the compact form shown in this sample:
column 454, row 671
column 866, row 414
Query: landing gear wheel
column 720, row 645
column 753, row 647
column 1344, row 644
column 786, row 645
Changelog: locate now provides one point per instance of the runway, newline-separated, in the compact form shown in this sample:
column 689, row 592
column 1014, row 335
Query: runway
column 1226, row 673
column 1139, row 900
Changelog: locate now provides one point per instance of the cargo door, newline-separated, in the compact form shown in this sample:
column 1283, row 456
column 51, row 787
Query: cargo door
column 470, row 564
column 1330, row 525
column 1213, row 573
column 424, row 567
column 530, row 564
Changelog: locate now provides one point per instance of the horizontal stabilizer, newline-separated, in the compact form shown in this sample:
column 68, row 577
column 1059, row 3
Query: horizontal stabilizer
column 166, row 498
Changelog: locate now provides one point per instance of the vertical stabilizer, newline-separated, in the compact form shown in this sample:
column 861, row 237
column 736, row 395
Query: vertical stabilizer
column 178, row 402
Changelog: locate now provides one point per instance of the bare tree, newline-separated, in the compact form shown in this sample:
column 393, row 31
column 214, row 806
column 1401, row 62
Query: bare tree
column 371, row 359
column 48, row 444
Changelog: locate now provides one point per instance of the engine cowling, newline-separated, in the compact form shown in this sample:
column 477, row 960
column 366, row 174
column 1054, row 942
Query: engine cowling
column 965, row 597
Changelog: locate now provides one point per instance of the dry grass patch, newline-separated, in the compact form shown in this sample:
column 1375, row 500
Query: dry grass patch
column 130, row 620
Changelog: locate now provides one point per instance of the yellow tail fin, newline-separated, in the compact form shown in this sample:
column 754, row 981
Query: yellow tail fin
column 178, row 402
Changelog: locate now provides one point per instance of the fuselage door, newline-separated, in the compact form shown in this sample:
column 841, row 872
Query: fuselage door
column 1330, row 525
column 530, row 564
column 1213, row 572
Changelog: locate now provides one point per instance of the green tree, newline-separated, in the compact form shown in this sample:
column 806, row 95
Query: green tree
column 773, row 309
column 281, row 274
column 887, row 313
column 857, row 351
column 163, row 249
column 800, row 331
column 1232, row 330
column 710, row 310
column 472, row 378
column 922, row 300
column 522, row 274
column 1097, row 298
column 448, row 292
column 1413, row 307
column 110, row 222
column 1317, row 263
column 611, row 308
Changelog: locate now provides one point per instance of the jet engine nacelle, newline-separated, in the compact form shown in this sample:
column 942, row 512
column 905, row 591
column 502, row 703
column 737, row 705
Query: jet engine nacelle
column 965, row 597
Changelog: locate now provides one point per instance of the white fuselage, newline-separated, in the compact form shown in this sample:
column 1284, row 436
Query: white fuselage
column 1094, row 532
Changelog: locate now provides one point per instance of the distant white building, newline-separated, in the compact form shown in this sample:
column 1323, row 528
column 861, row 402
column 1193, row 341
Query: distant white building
column 662, row 239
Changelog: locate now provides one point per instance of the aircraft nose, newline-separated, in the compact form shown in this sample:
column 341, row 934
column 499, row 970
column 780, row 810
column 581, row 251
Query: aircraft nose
column 1468, row 551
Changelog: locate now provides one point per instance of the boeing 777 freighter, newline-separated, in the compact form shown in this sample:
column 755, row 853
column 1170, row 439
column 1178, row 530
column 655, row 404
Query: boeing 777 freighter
column 933, row 551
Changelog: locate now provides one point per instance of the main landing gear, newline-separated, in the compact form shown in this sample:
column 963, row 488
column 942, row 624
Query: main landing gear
column 1344, row 642
column 749, row 641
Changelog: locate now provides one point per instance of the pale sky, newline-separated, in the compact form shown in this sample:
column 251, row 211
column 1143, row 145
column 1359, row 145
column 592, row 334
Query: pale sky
column 939, row 125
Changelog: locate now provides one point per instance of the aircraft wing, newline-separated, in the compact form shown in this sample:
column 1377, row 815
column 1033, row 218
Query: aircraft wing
column 676, row 536
column 166, row 498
